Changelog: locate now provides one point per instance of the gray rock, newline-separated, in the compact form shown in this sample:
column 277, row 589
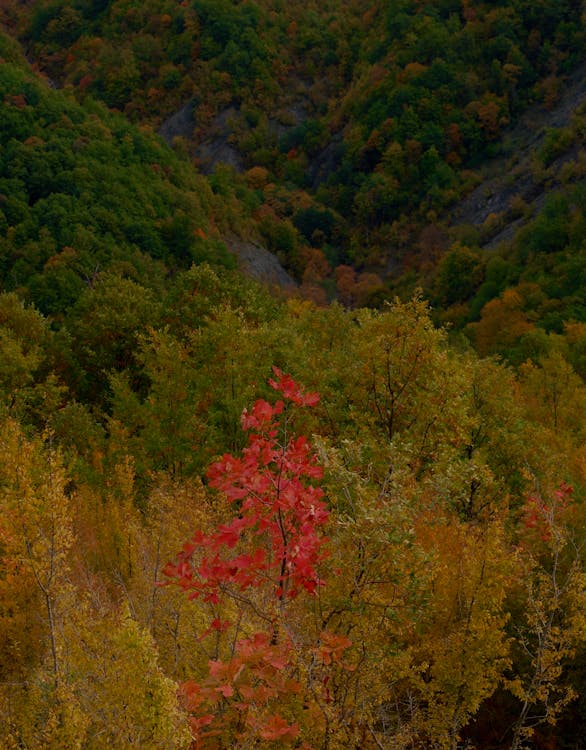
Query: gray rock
column 259, row 263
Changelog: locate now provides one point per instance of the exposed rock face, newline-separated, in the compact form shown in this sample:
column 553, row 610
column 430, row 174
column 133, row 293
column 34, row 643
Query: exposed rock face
column 215, row 148
column 179, row 124
column 258, row 262
column 254, row 260
column 513, row 175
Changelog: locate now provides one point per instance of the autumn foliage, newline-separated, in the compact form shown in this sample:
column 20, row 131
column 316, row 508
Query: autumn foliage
column 399, row 563
column 280, row 515
column 277, row 506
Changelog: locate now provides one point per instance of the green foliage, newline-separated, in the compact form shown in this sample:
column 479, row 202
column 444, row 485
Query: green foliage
column 459, row 275
column 104, row 328
column 83, row 192
column 379, row 112
column 316, row 226
column 30, row 390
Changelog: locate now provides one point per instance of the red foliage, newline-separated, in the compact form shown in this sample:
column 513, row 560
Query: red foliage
column 280, row 512
column 84, row 82
column 541, row 517
column 252, row 680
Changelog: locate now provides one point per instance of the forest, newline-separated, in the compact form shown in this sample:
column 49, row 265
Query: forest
column 343, row 512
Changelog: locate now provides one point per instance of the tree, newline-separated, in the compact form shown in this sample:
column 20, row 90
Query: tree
column 115, row 676
column 260, row 561
column 463, row 657
column 503, row 321
column 553, row 601
column 555, row 394
column 459, row 275
column 37, row 537
column 105, row 327
column 29, row 389
column 76, row 672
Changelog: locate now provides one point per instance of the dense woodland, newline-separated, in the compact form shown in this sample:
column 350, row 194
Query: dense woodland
column 348, row 515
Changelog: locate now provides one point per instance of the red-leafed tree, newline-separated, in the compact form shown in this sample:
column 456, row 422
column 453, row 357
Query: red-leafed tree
column 551, row 626
column 261, row 560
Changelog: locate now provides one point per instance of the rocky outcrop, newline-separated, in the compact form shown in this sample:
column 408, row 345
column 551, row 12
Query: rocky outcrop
column 179, row 124
column 512, row 176
column 257, row 262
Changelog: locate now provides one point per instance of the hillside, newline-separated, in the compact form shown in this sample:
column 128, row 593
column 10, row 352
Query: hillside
column 552, row 136
column 287, row 508
column 358, row 140
column 522, row 226
column 84, row 192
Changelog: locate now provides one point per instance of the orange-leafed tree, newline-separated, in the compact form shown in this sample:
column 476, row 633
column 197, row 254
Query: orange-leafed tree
column 551, row 625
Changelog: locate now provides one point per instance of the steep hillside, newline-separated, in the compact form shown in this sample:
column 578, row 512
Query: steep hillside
column 533, row 154
column 367, row 162
column 516, row 243
column 370, row 120
column 83, row 192
column 235, row 519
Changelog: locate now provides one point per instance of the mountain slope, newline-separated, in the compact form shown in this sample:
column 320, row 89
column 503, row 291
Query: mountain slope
column 362, row 145
column 84, row 192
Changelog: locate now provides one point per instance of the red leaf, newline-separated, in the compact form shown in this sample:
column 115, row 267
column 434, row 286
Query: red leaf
column 276, row 728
